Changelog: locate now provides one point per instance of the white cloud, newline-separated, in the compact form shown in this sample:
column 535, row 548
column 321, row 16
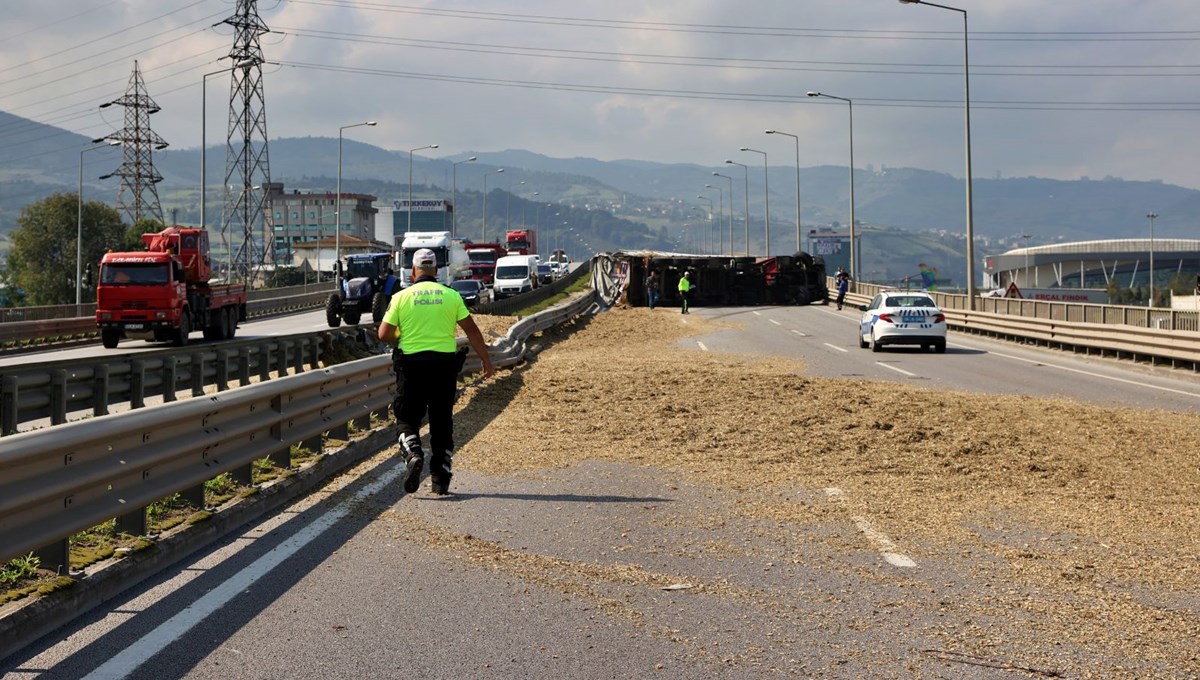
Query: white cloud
column 898, row 62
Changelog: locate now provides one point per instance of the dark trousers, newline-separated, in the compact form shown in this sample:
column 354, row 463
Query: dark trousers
column 428, row 383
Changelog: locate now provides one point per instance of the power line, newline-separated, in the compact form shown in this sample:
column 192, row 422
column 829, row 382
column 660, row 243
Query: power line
column 766, row 31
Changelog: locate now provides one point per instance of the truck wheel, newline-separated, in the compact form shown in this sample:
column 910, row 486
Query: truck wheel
column 218, row 325
column 110, row 337
column 352, row 317
column 231, row 313
column 185, row 329
column 379, row 305
column 333, row 310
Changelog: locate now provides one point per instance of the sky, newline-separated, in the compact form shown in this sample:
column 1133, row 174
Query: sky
column 1059, row 88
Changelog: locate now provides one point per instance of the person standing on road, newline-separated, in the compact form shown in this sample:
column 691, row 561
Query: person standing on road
column 421, row 321
column 652, row 289
column 685, row 290
column 843, row 284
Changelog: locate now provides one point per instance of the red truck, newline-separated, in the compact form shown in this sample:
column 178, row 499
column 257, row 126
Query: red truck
column 163, row 293
column 483, row 258
column 521, row 242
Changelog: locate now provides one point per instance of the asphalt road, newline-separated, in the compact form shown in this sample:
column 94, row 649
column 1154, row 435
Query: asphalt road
column 599, row 571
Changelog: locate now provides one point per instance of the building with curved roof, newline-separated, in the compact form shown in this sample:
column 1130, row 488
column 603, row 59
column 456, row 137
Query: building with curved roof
column 1094, row 264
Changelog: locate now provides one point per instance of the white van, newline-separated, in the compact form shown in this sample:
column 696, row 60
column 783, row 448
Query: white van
column 515, row 274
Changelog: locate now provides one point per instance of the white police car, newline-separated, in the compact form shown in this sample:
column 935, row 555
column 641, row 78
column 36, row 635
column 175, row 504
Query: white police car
column 902, row 318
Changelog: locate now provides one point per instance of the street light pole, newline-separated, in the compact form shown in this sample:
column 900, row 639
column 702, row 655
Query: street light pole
column 337, row 208
column 1151, row 216
column 524, row 203
column 508, row 205
column 746, row 193
column 79, row 222
column 967, row 130
column 710, row 219
column 410, row 166
column 483, row 227
column 720, row 216
column 1025, row 282
column 454, row 196
column 853, row 221
column 766, row 201
column 797, row 140
column 717, row 174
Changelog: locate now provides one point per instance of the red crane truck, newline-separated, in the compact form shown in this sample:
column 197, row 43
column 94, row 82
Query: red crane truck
column 163, row 293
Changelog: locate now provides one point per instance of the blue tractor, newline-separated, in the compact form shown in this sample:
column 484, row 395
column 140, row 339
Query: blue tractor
column 367, row 285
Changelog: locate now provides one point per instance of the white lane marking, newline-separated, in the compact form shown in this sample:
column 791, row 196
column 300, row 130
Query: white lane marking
column 755, row 313
column 775, row 322
column 803, row 335
column 131, row 658
column 898, row 370
column 840, row 349
column 702, row 345
column 1092, row 374
column 886, row 547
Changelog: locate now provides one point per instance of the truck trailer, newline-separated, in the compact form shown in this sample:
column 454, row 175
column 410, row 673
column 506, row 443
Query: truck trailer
column 483, row 258
column 163, row 293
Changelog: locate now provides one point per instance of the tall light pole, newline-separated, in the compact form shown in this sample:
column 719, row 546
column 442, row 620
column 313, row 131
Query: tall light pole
column 766, row 201
column 967, row 130
column 100, row 143
column 717, row 174
column 710, row 218
column 1151, row 216
column 508, row 205
column 746, row 193
column 410, row 166
column 1025, row 282
column 720, row 216
column 337, row 208
column 797, row 140
column 483, row 228
column 246, row 63
column 853, row 223
column 454, row 196
column 523, row 204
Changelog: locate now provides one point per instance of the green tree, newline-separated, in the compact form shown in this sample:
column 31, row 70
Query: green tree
column 133, row 235
column 41, row 262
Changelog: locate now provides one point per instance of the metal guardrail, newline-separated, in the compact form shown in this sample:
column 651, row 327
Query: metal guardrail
column 61, row 480
column 19, row 324
column 533, row 297
column 53, row 389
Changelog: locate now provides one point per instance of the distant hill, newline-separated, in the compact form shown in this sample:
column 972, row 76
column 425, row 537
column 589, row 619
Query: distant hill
column 636, row 203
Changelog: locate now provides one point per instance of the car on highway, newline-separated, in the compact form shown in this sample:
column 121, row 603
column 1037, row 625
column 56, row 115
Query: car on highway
column 545, row 273
column 902, row 318
column 473, row 291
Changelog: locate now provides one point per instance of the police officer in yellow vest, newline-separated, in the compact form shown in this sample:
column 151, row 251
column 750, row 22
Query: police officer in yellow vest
column 685, row 290
column 423, row 318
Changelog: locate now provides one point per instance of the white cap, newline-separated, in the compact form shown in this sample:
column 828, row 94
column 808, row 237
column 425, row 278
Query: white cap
column 424, row 258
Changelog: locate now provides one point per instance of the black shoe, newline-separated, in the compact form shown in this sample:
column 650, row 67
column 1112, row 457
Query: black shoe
column 414, row 460
column 440, row 487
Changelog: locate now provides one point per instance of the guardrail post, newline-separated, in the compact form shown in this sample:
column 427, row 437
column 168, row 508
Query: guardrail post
column 281, row 456
column 58, row 397
column 315, row 444
column 243, row 366
column 243, row 474
column 363, row 422
column 8, row 405
column 170, row 371
column 137, row 384
column 281, row 367
column 298, row 358
column 55, row 557
column 133, row 522
column 264, row 361
column 340, row 432
column 100, row 385
column 222, row 376
column 194, row 496
column 317, row 344
column 196, row 367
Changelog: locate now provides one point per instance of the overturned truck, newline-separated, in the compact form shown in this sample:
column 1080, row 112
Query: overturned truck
column 798, row 279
